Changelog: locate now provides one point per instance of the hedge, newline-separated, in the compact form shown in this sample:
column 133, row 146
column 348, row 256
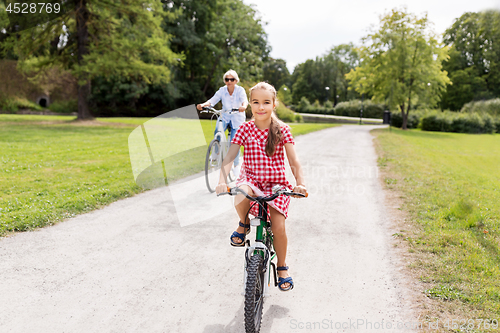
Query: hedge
column 473, row 123
column 491, row 107
column 353, row 108
column 286, row 114
column 413, row 119
column 349, row 109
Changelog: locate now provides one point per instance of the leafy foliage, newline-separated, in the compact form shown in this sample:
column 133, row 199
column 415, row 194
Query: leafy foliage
column 213, row 36
column 474, row 64
column 276, row 73
column 473, row 123
column 401, row 63
column 286, row 114
column 120, row 38
column 13, row 104
column 491, row 107
column 64, row 106
column 285, row 95
column 353, row 109
column 413, row 119
column 312, row 77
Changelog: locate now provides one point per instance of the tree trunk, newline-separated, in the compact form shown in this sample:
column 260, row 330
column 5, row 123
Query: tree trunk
column 404, row 116
column 405, row 120
column 335, row 101
column 83, row 104
column 82, row 18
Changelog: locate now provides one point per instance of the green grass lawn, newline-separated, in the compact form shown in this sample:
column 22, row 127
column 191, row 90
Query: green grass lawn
column 451, row 187
column 52, row 167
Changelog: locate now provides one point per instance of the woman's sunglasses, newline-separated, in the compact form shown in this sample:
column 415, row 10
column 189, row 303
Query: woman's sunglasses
column 229, row 79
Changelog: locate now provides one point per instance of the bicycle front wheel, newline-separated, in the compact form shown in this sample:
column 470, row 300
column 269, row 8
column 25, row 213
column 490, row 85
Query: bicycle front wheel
column 254, row 294
column 213, row 163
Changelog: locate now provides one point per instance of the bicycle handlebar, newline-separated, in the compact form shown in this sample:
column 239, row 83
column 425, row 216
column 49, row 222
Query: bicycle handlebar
column 207, row 109
column 234, row 190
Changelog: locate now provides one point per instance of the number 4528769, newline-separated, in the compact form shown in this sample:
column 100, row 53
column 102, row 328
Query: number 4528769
column 33, row 8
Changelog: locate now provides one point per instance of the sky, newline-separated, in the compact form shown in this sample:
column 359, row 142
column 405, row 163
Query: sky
column 301, row 30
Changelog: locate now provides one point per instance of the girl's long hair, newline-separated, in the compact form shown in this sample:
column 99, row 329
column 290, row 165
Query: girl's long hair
column 274, row 136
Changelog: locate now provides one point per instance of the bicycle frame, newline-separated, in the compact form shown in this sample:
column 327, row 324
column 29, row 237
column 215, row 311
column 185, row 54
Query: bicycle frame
column 263, row 244
column 220, row 134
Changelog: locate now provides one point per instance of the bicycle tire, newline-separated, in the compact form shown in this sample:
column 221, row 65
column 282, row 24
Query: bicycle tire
column 212, row 169
column 254, row 294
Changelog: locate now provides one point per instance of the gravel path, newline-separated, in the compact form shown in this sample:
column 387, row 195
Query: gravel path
column 131, row 267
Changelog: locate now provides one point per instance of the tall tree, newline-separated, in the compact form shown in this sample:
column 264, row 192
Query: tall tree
column 474, row 63
column 401, row 63
column 312, row 78
column 189, row 36
column 214, row 36
column 337, row 63
column 307, row 81
column 236, row 40
column 276, row 73
column 111, row 38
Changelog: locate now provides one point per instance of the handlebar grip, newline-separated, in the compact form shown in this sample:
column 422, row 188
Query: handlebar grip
column 228, row 191
column 299, row 194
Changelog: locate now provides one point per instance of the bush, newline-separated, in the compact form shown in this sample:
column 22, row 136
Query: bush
column 353, row 108
column 473, row 123
column 413, row 119
column 304, row 105
column 491, row 107
column 329, row 108
column 285, row 95
column 13, row 104
column 496, row 122
column 64, row 106
column 286, row 114
column 436, row 121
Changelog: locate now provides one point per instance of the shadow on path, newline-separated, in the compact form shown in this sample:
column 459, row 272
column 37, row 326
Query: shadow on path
column 237, row 324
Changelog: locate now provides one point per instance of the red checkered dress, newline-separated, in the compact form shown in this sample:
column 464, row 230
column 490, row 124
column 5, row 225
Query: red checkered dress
column 260, row 171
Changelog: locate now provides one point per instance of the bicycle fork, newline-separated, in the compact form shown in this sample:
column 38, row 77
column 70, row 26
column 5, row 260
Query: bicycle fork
column 251, row 250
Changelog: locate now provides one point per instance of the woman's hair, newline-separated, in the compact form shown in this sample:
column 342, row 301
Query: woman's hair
column 233, row 74
column 274, row 136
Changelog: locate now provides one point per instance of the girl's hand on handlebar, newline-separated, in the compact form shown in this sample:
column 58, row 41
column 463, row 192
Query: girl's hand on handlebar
column 300, row 189
column 199, row 107
column 242, row 109
column 221, row 188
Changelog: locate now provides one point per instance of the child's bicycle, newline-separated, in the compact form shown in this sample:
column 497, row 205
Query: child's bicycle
column 216, row 151
column 258, row 258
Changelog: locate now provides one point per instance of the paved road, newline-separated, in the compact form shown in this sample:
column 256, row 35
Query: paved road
column 131, row 267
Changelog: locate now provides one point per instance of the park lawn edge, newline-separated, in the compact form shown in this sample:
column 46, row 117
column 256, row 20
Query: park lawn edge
column 399, row 202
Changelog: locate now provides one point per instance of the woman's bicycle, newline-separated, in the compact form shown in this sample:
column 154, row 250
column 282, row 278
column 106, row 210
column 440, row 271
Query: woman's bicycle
column 258, row 258
column 216, row 151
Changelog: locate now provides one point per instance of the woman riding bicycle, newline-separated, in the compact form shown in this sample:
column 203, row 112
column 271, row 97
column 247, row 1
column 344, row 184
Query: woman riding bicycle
column 233, row 97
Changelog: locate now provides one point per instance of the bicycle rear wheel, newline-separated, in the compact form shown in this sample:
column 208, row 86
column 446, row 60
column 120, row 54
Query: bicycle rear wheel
column 254, row 294
column 213, row 163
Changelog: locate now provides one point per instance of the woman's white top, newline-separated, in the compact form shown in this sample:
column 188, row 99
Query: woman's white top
column 230, row 102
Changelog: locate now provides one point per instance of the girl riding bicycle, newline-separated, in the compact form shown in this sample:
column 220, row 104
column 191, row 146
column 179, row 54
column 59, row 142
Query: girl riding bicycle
column 265, row 139
column 233, row 97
